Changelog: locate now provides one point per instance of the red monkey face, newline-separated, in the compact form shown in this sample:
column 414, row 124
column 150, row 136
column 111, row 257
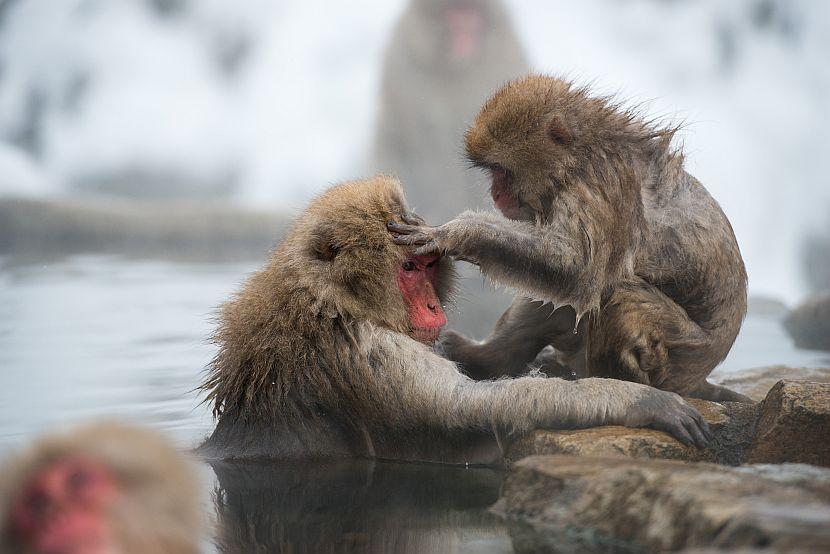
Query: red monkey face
column 63, row 509
column 467, row 26
column 417, row 278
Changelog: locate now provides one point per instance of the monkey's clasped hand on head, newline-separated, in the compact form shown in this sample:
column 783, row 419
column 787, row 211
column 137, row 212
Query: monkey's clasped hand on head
column 326, row 351
column 599, row 219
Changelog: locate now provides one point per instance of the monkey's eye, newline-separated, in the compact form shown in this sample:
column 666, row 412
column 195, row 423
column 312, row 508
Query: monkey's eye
column 409, row 265
column 432, row 263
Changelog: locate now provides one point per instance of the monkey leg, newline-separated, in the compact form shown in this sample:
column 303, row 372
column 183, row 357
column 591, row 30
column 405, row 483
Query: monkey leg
column 550, row 363
column 522, row 331
column 641, row 335
column 719, row 393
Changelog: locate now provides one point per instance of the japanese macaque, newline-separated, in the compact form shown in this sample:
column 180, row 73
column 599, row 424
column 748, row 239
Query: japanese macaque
column 326, row 351
column 599, row 219
column 104, row 488
column 444, row 58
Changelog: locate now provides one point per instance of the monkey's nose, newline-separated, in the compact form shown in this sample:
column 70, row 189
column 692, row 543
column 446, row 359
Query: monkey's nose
column 432, row 307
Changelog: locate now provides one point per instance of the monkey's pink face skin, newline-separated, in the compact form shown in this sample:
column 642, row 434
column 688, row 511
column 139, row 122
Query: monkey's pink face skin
column 500, row 190
column 417, row 279
column 467, row 27
column 62, row 510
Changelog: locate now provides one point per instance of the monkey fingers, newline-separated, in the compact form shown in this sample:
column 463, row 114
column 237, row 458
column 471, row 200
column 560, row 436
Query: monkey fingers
column 411, row 218
column 668, row 412
column 411, row 235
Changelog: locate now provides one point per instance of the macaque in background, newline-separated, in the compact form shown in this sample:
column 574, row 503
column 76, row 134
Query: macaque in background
column 102, row 489
column 444, row 59
column 599, row 220
column 326, row 352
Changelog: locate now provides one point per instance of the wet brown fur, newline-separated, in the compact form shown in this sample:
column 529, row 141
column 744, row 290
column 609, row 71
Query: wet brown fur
column 286, row 339
column 612, row 225
column 315, row 357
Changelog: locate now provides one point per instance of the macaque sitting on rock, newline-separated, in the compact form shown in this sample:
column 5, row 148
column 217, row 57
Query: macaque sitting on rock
column 102, row 489
column 599, row 220
column 327, row 351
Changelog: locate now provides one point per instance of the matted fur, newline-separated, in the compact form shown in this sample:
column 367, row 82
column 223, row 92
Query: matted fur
column 315, row 357
column 610, row 224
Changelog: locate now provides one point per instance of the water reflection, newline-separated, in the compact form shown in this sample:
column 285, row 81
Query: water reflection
column 357, row 506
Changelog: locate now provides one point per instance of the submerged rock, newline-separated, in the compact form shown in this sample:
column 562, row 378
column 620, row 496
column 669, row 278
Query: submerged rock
column 809, row 323
column 794, row 424
column 563, row 503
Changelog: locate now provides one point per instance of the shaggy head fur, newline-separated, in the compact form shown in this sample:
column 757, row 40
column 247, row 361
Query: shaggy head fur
column 286, row 339
column 542, row 129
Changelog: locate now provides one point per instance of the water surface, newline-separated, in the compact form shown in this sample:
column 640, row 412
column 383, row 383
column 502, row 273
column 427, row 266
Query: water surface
column 90, row 336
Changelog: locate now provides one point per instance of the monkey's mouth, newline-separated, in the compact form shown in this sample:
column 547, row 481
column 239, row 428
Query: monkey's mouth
column 426, row 336
column 500, row 190
column 506, row 204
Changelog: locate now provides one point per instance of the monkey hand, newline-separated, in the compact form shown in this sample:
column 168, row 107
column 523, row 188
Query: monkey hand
column 415, row 232
column 668, row 412
column 455, row 345
column 446, row 239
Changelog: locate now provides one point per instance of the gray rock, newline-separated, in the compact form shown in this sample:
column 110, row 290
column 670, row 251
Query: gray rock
column 569, row 504
column 757, row 382
column 191, row 230
column 767, row 307
column 732, row 423
column 794, row 424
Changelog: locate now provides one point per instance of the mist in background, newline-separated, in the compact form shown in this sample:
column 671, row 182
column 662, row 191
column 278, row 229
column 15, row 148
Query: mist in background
column 265, row 103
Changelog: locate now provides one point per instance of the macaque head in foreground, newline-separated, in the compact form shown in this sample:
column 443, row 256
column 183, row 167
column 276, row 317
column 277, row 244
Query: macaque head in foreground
column 349, row 260
column 102, row 489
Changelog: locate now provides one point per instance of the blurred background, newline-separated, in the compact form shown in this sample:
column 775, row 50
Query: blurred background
column 151, row 151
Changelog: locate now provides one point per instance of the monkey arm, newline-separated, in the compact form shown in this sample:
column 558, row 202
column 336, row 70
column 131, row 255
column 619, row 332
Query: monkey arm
column 540, row 262
column 421, row 388
column 521, row 332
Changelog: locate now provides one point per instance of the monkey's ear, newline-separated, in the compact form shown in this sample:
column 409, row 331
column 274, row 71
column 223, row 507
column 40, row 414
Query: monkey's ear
column 558, row 131
column 324, row 247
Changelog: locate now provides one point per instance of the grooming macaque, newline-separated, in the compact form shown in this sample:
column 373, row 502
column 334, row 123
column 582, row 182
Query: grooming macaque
column 101, row 489
column 599, row 215
column 326, row 351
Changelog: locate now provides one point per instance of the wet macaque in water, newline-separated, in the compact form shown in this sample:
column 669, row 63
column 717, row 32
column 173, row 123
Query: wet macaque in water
column 600, row 220
column 102, row 489
column 326, row 352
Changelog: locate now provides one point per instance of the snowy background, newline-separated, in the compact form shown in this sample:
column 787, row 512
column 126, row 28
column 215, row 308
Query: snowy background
column 272, row 101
